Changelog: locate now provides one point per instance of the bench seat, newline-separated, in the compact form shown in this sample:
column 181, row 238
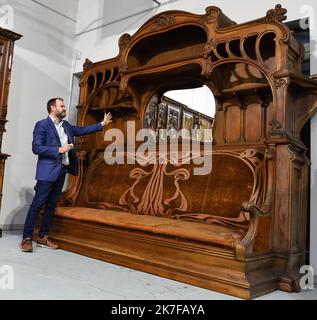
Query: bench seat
column 195, row 231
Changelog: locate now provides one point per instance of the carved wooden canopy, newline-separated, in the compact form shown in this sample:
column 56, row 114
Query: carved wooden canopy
column 256, row 63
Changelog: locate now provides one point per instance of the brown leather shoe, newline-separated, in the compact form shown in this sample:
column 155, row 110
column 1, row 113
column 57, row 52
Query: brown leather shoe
column 45, row 242
column 26, row 245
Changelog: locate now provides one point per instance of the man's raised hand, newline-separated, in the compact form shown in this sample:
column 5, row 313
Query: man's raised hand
column 107, row 119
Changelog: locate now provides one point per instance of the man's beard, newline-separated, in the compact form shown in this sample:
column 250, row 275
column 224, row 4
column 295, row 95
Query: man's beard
column 60, row 115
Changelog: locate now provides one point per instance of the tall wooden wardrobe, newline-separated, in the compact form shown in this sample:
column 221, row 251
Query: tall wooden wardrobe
column 7, row 39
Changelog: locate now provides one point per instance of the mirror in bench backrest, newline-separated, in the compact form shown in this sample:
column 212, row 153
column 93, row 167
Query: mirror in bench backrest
column 170, row 190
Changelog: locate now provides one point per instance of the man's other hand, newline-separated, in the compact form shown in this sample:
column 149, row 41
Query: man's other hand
column 65, row 148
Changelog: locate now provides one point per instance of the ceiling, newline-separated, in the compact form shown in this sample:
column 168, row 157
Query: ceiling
column 67, row 8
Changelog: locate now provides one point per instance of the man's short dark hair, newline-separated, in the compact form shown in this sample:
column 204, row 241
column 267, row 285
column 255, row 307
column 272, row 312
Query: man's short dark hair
column 51, row 103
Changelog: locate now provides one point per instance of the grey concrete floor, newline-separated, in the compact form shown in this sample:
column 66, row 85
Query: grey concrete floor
column 58, row 274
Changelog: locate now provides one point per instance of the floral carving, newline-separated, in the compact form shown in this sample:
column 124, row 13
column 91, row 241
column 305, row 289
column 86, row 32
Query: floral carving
column 278, row 82
column 164, row 21
column 209, row 47
column 152, row 201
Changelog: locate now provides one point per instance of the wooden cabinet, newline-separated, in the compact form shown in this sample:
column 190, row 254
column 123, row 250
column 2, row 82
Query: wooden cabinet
column 7, row 39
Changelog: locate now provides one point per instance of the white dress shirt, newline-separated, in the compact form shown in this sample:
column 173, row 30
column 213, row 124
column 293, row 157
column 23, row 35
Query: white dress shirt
column 63, row 138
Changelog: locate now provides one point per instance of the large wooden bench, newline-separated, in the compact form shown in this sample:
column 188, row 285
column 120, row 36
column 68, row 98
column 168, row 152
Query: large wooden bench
column 163, row 219
column 241, row 229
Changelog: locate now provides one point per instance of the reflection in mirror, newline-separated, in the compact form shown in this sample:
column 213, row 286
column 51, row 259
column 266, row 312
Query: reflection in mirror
column 191, row 109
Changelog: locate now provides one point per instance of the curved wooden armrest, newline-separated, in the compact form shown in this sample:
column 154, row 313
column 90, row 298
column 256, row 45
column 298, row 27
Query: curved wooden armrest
column 244, row 247
column 254, row 209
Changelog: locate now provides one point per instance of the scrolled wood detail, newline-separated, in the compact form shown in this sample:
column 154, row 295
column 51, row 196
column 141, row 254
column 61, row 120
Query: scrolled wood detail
column 279, row 82
column 87, row 63
column 124, row 40
column 211, row 14
column 278, row 14
column 244, row 247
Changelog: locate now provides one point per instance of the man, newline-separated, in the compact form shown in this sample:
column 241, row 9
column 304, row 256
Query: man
column 53, row 142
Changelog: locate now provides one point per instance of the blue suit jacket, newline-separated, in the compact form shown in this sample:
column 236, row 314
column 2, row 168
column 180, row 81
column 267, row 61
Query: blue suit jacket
column 46, row 143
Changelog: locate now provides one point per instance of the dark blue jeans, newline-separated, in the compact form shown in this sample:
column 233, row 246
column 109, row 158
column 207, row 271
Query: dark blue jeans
column 46, row 193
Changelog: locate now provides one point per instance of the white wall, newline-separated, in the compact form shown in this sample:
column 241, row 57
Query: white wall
column 42, row 68
column 102, row 43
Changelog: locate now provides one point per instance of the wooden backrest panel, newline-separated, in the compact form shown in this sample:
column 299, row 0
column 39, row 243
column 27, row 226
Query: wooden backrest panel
column 166, row 189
